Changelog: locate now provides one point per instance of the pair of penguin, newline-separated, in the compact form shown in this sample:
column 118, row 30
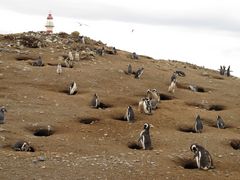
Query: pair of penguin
column 145, row 106
column 154, row 97
column 137, row 74
column 2, row 114
column 202, row 157
column 198, row 126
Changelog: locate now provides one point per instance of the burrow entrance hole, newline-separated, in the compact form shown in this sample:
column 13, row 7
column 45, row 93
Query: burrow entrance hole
column 188, row 164
column 134, row 145
column 88, row 120
column 119, row 118
column 187, row 129
column 43, row 131
column 235, row 143
column 209, row 107
column 165, row 97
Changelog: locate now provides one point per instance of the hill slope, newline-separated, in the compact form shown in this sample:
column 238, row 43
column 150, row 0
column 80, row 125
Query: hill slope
column 36, row 97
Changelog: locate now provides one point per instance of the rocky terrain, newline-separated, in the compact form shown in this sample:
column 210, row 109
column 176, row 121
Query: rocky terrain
column 88, row 143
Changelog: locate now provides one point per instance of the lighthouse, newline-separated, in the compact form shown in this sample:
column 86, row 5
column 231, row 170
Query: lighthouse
column 49, row 25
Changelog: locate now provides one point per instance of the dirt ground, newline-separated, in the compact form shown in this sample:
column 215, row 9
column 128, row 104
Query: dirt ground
column 36, row 97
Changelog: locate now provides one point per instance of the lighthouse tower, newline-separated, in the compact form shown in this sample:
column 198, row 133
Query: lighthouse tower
column 49, row 24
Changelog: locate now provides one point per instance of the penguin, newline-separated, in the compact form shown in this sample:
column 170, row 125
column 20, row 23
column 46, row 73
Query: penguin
column 145, row 139
column 174, row 77
column 138, row 73
column 193, row 88
column 180, row 73
column 228, row 71
column 202, row 157
column 129, row 116
column 95, row 102
column 144, row 106
column 172, row 86
column 23, row 146
column 2, row 114
column 153, row 94
column 129, row 70
column 59, row 68
column 134, row 55
column 73, row 88
column 198, row 127
column 220, row 122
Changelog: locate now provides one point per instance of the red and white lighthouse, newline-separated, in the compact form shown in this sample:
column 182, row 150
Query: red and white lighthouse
column 49, row 24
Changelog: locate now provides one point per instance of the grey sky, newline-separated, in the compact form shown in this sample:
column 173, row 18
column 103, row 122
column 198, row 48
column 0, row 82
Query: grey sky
column 212, row 14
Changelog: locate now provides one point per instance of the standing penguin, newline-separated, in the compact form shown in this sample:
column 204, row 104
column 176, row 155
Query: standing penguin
column 202, row 157
column 172, row 86
column 129, row 116
column 2, row 117
column 139, row 73
column 73, row 88
column 220, row 122
column 95, row 102
column 145, row 106
column 145, row 139
column 129, row 71
column 198, row 127
column 59, row 68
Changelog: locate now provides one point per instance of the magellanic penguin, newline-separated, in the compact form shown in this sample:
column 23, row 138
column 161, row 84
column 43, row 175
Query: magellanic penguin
column 174, row 77
column 145, row 139
column 129, row 116
column 95, row 102
column 73, row 88
column 59, row 68
column 153, row 94
column 220, row 122
column 144, row 106
column 202, row 157
column 23, row 146
column 198, row 126
column 70, row 56
column 129, row 71
column 172, row 86
column 2, row 114
column 139, row 73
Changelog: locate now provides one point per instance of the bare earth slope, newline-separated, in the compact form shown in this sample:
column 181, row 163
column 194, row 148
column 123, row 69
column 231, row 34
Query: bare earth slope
column 35, row 97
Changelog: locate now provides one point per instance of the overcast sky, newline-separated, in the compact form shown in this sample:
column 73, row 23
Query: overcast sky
column 198, row 31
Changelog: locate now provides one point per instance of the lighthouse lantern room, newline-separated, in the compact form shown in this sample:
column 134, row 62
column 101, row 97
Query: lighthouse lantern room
column 49, row 25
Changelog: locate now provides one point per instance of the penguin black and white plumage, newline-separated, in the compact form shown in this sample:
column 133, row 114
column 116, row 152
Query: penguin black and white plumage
column 23, row 146
column 174, row 77
column 139, row 73
column 2, row 114
column 144, row 106
column 180, row 73
column 73, row 88
column 129, row 70
column 59, row 68
column 145, row 139
column 198, row 127
column 153, row 94
column 129, row 116
column 172, row 86
column 95, row 102
column 202, row 157
column 134, row 55
column 220, row 122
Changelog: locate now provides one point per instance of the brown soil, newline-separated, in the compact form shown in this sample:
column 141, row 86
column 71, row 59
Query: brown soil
column 89, row 143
